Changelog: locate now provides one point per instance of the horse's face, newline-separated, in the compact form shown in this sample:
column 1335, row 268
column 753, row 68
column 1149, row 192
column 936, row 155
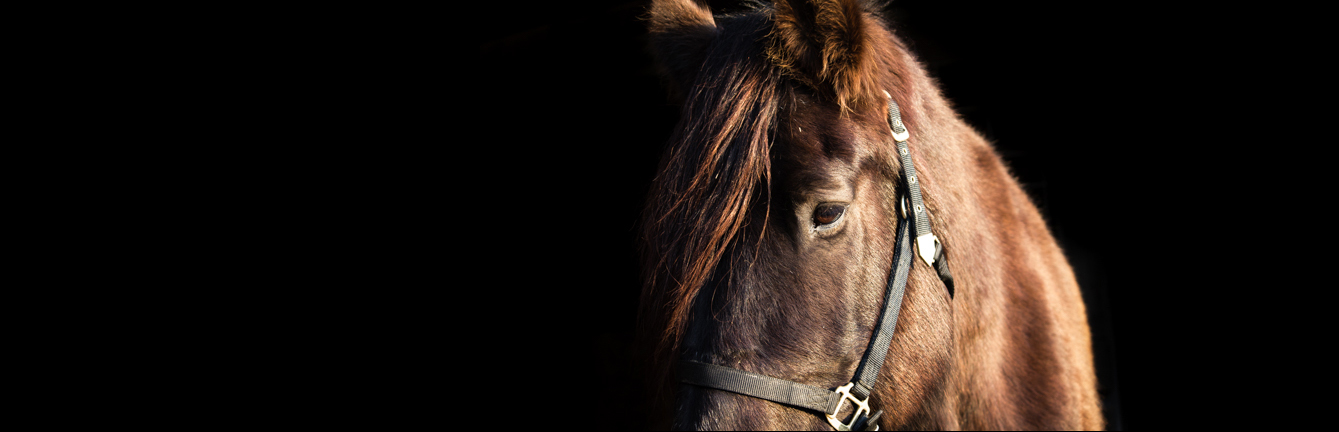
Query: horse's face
column 770, row 230
column 799, row 299
column 769, row 235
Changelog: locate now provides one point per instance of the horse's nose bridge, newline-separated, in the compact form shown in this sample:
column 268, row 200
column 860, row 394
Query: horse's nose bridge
column 751, row 333
column 725, row 324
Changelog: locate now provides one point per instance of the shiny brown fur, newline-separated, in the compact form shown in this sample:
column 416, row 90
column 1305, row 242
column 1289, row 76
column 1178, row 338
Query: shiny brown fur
column 783, row 110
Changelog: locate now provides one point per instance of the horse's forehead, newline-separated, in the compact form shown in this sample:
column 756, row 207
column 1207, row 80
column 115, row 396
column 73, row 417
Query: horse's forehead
column 819, row 139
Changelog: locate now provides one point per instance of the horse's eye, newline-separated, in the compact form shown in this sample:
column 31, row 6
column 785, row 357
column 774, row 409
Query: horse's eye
column 827, row 214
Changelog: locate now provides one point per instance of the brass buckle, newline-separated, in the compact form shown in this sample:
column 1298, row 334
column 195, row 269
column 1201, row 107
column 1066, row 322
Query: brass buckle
column 862, row 409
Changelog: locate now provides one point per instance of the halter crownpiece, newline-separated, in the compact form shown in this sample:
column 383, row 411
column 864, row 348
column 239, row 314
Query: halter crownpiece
column 928, row 246
column 900, row 133
column 926, row 241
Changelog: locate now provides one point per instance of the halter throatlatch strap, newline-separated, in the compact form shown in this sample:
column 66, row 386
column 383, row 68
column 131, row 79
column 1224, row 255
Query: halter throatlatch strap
column 830, row 402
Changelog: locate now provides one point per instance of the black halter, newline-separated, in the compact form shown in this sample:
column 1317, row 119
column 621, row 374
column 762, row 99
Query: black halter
column 830, row 402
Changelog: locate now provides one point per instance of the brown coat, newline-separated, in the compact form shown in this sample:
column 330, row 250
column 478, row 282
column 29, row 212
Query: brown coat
column 783, row 112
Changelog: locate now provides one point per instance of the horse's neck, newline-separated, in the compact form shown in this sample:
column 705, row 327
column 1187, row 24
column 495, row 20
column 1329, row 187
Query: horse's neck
column 1012, row 280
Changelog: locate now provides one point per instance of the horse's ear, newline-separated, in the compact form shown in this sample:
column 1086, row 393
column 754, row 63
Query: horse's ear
column 680, row 33
column 825, row 44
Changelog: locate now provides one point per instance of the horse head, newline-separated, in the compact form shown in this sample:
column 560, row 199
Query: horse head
column 770, row 229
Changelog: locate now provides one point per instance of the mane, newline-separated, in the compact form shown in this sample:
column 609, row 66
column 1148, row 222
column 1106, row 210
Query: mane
column 710, row 176
column 716, row 167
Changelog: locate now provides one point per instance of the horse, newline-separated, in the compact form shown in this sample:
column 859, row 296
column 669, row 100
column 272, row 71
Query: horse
column 777, row 220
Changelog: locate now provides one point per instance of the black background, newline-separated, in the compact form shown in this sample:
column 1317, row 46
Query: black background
column 557, row 118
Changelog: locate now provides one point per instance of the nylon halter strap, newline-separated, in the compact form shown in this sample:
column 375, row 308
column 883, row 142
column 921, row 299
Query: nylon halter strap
column 830, row 402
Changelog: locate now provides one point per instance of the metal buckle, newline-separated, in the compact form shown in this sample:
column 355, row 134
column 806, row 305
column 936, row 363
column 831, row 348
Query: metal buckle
column 862, row 409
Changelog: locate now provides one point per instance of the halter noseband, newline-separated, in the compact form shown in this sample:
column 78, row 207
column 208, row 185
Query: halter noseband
column 830, row 402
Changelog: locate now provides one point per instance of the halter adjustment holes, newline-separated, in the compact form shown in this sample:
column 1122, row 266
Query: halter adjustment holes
column 828, row 217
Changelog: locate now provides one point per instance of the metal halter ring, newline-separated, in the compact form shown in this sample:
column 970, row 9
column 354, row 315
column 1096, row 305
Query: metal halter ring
column 862, row 409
